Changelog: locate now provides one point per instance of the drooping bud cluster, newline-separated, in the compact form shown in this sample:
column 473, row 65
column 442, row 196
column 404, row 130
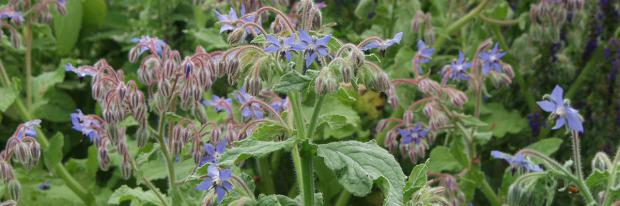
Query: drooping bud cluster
column 452, row 192
column 22, row 147
column 12, row 16
column 421, row 23
column 548, row 18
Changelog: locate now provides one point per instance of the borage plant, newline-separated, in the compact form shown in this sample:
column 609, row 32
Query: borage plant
column 287, row 78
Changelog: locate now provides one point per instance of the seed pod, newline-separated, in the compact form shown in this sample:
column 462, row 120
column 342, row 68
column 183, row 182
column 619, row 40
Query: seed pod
column 14, row 189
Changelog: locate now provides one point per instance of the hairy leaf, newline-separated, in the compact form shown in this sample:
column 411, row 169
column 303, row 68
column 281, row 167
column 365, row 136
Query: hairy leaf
column 292, row 81
column 253, row 148
column 8, row 97
column 125, row 193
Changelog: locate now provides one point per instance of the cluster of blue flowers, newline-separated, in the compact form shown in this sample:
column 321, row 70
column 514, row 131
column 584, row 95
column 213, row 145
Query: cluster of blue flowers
column 217, row 178
column 312, row 47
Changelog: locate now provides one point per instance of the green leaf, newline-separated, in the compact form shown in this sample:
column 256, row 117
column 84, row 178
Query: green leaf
column 8, row 97
column 125, row 193
column 597, row 180
column 340, row 120
column 417, row 179
column 291, row 81
column 472, row 121
column 95, row 12
column 209, row 37
column 43, row 82
column 364, row 8
column 268, row 131
column 502, row 121
column 547, row 146
column 441, row 159
column 67, row 27
column 154, row 169
column 275, row 200
column 357, row 165
column 253, row 148
column 54, row 153
column 56, row 106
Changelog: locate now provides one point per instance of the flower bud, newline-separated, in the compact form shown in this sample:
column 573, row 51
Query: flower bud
column 392, row 97
column 197, row 150
column 216, row 134
column 209, row 199
column 142, row 136
column 35, row 152
column 61, row 7
column 601, row 162
column 14, row 189
column 232, row 70
column 164, row 88
column 408, row 117
column 8, row 203
column 325, row 82
column 253, row 84
column 358, row 58
column 169, row 68
column 22, row 153
column 236, row 36
column 146, row 72
column 15, row 39
column 390, row 140
column 315, row 14
column 381, row 125
column 104, row 159
column 133, row 54
column 428, row 86
column 126, row 167
column 6, row 171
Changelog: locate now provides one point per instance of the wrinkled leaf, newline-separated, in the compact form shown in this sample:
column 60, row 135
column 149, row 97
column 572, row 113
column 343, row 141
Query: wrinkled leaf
column 253, row 148
column 67, row 27
column 125, row 193
column 8, row 97
column 358, row 165
column 292, row 81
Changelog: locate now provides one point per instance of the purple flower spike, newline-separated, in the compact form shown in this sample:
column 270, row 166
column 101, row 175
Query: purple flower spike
column 383, row 45
column 252, row 111
column 561, row 109
column 517, row 161
column 491, row 60
column 217, row 179
column 220, row 104
column 458, row 69
column 313, row 47
column 282, row 47
column 416, row 134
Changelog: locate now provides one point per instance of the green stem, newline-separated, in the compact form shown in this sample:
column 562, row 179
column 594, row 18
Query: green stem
column 302, row 158
column 28, row 58
column 489, row 193
column 343, row 198
column 315, row 116
column 459, row 23
column 164, row 149
column 266, row 182
column 148, row 183
column 507, row 22
column 57, row 168
column 579, row 170
column 612, row 179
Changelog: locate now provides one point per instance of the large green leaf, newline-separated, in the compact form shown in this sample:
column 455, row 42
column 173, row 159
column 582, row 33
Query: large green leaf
column 417, row 179
column 253, row 148
column 46, row 80
column 357, row 165
column 501, row 121
column 95, row 12
column 292, row 81
column 338, row 119
column 8, row 97
column 67, row 27
column 125, row 193
column 441, row 159
column 55, row 107
column 53, row 154
column 275, row 200
column 547, row 146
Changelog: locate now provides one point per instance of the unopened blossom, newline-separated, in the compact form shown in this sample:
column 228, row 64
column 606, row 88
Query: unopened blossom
column 517, row 161
column 27, row 129
column 458, row 68
column 383, row 45
column 561, row 109
column 313, row 47
column 491, row 60
column 283, row 47
column 413, row 134
column 217, row 179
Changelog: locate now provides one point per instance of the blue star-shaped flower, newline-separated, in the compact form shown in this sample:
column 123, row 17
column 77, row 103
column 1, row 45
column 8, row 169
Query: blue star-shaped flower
column 252, row 110
column 383, row 45
column 218, row 179
column 220, row 104
column 517, row 161
column 412, row 134
column 566, row 115
column 231, row 21
column 313, row 47
column 213, row 152
column 458, row 69
column 491, row 60
column 282, row 47
column 148, row 43
column 88, row 125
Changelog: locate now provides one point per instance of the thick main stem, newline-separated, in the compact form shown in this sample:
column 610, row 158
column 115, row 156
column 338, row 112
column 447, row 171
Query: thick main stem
column 315, row 116
column 302, row 153
column 266, row 182
column 579, row 169
column 164, row 149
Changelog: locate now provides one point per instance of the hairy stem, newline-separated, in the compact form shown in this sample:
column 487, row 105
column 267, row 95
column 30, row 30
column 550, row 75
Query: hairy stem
column 459, row 23
column 579, row 169
column 612, row 179
column 148, row 183
column 164, row 149
column 315, row 116
column 488, row 192
column 266, row 182
column 302, row 153
column 343, row 198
